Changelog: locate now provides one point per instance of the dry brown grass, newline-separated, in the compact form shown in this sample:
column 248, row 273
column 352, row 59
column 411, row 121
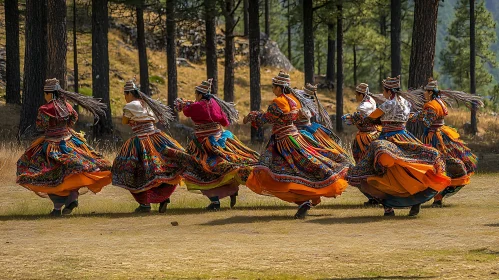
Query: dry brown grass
column 259, row 239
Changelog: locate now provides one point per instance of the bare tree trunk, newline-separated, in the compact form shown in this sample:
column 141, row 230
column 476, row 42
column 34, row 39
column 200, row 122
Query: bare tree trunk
column 171, row 51
column 35, row 61
column 229, row 51
column 100, row 63
column 56, row 40
column 354, row 47
column 289, row 32
column 267, row 17
column 339, row 72
column 12, row 63
column 211, row 43
column 308, row 41
column 424, row 36
column 395, row 32
column 331, row 50
column 254, row 51
column 75, row 50
column 474, row 122
column 246, row 17
column 141, row 45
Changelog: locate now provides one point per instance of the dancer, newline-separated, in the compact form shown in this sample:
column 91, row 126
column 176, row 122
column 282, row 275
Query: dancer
column 319, row 131
column 224, row 162
column 150, row 163
column 398, row 169
column 61, row 162
column 460, row 161
column 290, row 168
column 368, row 131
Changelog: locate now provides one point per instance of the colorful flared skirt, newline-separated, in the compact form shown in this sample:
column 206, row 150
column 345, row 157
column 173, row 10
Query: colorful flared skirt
column 361, row 143
column 293, row 170
column 460, row 162
column 150, row 166
column 61, row 166
column 399, row 171
column 222, row 164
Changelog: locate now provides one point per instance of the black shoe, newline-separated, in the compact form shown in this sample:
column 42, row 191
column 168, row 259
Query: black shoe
column 437, row 204
column 68, row 209
column 371, row 202
column 389, row 214
column 143, row 209
column 302, row 210
column 213, row 207
column 233, row 200
column 163, row 205
column 415, row 210
column 55, row 213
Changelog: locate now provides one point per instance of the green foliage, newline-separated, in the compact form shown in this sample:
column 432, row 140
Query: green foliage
column 85, row 91
column 157, row 79
column 455, row 58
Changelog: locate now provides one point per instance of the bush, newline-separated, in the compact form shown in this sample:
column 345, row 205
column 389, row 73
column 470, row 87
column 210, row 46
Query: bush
column 86, row 91
column 157, row 79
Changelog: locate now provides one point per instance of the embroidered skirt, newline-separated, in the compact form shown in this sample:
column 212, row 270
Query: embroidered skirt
column 293, row 170
column 150, row 166
column 223, row 163
column 460, row 162
column 399, row 170
column 362, row 141
column 59, row 166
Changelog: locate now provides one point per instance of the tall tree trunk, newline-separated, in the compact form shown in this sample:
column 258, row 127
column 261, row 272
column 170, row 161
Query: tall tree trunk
column 474, row 123
column 246, row 17
column 56, row 40
column 141, row 45
column 12, row 63
column 211, row 43
column 331, row 50
column 35, row 61
column 424, row 34
column 171, row 51
column 382, row 58
column 395, row 32
column 339, row 72
column 354, row 47
column 254, row 52
column 100, row 63
column 267, row 18
column 75, row 50
column 289, row 32
column 229, row 51
column 308, row 41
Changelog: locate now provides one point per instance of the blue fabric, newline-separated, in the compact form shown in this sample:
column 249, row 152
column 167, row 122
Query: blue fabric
column 418, row 198
column 223, row 139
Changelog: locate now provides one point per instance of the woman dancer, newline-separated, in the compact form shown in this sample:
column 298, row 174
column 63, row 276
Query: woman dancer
column 61, row 162
column 367, row 130
column 224, row 162
column 290, row 168
column 398, row 169
column 460, row 161
column 150, row 163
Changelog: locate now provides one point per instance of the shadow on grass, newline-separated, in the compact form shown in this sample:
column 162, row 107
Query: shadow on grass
column 381, row 278
column 248, row 220
column 357, row 219
column 492, row 225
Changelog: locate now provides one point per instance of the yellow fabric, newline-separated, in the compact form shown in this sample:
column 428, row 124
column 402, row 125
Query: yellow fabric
column 376, row 114
column 435, row 106
column 283, row 103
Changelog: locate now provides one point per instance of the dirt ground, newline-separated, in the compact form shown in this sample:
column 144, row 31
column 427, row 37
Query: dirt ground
column 258, row 240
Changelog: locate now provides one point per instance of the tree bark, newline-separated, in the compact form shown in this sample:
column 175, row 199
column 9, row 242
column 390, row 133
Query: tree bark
column 308, row 41
column 12, row 63
column 35, row 61
column 474, row 122
column 395, row 33
column 331, row 50
column 246, row 17
column 141, row 45
column 211, row 43
column 171, row 51
column 424, row 36
column 339, row 72
column 56, row 41
column 267, row 18
column 229, row 51
column 100, row 63
column 254, row 52
column 354, row 65
column 289, row 32
column 75, row 50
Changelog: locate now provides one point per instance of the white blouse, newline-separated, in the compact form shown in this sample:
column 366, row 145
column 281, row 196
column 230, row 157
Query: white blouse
column 135, row 111
column 367, row 106
column 395, row 110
